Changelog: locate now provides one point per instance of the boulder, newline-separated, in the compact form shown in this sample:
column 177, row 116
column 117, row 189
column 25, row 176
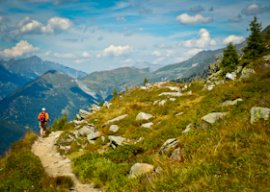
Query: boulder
column 116, row 119
column 213, row 117
column 173, row 94
column 246, row 73
column 85, row 130
column 230, row 102
column 231, row 76
column 176, row 155
column 188, row 128
column 173, row 88
column 139, row 169
column 117, row 140
column 257, row 113
column 94, row 108
column 76, row 122
column 94, row 135
column 114, row 128
column 172, row 99
column 107, row 104
column 143, row 116
column 84, row 113
column 168, row 145
column 147, row 125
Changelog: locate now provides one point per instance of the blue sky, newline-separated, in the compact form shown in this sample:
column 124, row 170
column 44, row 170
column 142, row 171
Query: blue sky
column 95, row 35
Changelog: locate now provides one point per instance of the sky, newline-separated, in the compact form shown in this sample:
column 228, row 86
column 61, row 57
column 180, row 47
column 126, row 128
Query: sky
column 96, row 35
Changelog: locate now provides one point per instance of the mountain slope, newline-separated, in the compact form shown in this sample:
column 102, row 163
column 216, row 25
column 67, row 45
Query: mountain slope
column 32, row 67
column 104, row 82
column 56, row 91
column 9, row 82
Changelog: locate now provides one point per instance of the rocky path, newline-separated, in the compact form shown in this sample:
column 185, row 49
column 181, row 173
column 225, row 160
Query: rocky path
column 55, row 164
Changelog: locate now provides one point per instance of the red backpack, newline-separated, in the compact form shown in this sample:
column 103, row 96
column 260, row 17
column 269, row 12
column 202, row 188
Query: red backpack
column 42, row 117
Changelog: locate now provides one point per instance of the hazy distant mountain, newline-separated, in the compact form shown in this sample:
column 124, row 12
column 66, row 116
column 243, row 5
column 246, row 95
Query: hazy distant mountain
column 104, row 82
column 32, row 67
column 10, row 133
column 56, row 91
column 9, row 82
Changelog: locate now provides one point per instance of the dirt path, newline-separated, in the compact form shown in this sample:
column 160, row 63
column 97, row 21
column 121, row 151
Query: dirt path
column 55, row 164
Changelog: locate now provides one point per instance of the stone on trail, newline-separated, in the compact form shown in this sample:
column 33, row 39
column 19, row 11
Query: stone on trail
column 258, row 113
column 213, row 117
column 139, row 169
column 143, row 116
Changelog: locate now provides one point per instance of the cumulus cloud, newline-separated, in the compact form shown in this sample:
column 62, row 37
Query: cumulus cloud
column 86, row 54
column 203, row 41
column 114, row 50
column 193, row 19
column 20, row 49
column 254, row 9
column 233, row 39
column 54, row 24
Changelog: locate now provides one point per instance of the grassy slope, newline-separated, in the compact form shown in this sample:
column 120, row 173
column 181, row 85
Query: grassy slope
column 20, row 170
column 231, row 155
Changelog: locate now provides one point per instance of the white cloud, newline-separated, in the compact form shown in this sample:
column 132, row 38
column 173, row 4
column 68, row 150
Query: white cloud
column 20, row 49
column 233, row 39
column 193, row 19
column 114, row 50
column 163, row 53
column 54, row 24
column 254, row 9
column 31, row 26
column 156, row 53
column 204, row 40
column 86, row 54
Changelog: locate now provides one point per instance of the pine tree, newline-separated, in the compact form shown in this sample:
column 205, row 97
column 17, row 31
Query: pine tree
column 255, row 45
column 145, row 81
column 230, row 59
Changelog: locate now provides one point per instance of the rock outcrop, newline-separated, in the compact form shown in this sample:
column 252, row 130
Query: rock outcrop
column 139, row 169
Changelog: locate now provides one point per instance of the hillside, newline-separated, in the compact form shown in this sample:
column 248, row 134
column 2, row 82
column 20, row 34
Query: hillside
column 56, row 91
column 33, row 67
column 103, row 83
column 10, row 82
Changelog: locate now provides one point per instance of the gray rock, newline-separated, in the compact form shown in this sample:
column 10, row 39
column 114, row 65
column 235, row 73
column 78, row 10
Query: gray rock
column 246, row 73
column 86, row 130
column 94, row 135
column 114, row 128
column 176, row 155
column 172, row 99
column 107, row 104
column 143, row 116
column 76, row 122
column 168, row 145
column 188, row 128
column 231, row 76
column 210, row 87
column 162, row 102
column 139, row 169
column 229, row 102
column 95, row 108
column 116, row 119
column 180, row 113
column 213, row 117
column 147, row 125
column 258, row 113
column 173, row 94
column 84, row 113
column 117, row 140
column 172, row 88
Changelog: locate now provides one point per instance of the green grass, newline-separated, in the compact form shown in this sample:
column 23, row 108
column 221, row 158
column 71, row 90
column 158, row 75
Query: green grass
column 22, row 171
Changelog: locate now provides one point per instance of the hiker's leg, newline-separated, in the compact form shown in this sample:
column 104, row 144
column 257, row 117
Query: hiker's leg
column 40, row 129
column 45, row 130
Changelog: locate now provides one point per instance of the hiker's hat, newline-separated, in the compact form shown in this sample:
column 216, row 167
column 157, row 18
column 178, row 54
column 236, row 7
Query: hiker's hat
column 43, row 109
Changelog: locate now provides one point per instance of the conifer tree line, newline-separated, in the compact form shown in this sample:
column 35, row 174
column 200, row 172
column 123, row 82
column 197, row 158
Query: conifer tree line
column 254, row 48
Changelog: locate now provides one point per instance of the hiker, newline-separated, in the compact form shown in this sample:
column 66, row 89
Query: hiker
column 43, row 118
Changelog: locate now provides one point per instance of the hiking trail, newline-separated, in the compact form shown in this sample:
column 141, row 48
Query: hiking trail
column 56, row 165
